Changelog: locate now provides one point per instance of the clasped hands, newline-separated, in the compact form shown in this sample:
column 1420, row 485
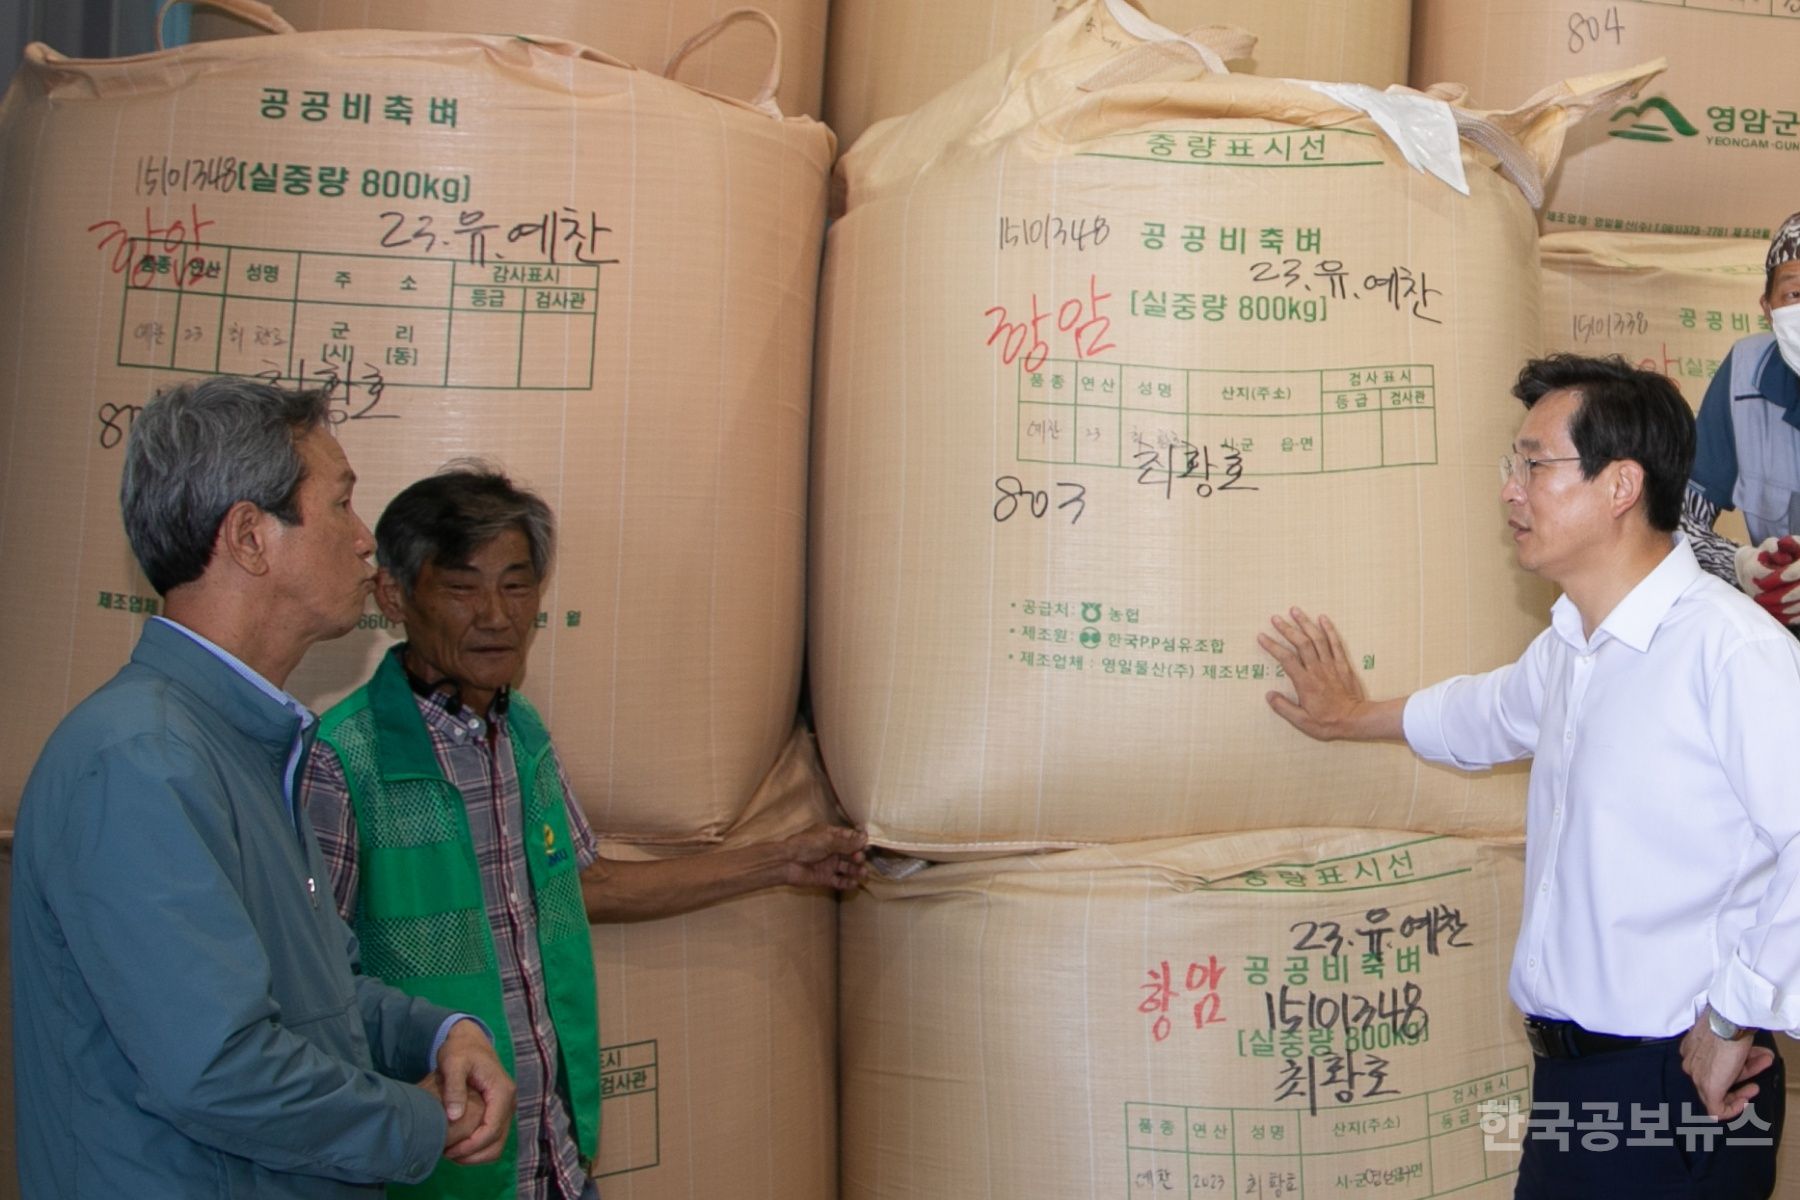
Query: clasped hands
column 477, row 1094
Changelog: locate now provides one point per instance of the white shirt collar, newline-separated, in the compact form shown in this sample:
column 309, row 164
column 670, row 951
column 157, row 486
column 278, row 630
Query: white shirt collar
column 1633, row 620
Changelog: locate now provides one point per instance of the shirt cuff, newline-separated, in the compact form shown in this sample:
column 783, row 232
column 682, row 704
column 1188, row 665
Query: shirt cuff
column 1422, row 721
column 426, row 1123
column 437, row 1043
column 1745, row 998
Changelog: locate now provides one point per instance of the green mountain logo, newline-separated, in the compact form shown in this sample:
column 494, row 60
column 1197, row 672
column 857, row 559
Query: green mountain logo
column 1661, row 122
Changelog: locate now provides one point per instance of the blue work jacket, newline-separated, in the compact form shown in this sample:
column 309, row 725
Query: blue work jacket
column 187, row 1020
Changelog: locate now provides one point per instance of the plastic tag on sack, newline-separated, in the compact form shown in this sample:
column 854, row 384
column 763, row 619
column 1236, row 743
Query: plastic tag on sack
column 892, row 865
column 1424, row 129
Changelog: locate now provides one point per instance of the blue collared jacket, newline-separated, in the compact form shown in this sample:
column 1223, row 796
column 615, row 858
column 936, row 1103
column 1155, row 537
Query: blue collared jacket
column 187, row 1018
column 1747, row 449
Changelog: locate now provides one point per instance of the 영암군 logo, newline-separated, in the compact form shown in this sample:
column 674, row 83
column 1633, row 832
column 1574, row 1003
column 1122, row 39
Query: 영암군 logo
column 1660, row 122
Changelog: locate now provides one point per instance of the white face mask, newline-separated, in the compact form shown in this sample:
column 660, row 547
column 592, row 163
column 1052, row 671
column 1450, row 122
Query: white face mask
column 1786, row 324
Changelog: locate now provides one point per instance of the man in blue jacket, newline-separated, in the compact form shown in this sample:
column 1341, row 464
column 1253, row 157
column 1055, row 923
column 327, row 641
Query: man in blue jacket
column 1748, row 454
column 189, row 1020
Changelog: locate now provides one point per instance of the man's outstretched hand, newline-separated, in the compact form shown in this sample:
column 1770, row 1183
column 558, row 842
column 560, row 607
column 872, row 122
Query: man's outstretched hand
column 1329, row 701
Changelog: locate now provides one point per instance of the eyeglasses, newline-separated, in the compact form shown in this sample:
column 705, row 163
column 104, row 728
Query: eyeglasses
column 1517, row 467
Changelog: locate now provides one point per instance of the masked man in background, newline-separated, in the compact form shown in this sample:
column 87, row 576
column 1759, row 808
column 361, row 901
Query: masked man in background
column 1748, row 453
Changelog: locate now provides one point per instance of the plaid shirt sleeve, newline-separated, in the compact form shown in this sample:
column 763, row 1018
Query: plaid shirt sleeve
column 587, row 847
column 325, row 799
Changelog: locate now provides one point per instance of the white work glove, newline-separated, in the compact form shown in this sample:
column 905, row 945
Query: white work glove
column 1747, row 563
column 1770, row 575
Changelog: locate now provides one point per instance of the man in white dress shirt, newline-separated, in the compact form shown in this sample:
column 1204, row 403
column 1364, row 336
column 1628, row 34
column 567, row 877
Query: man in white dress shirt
column 1661, row 932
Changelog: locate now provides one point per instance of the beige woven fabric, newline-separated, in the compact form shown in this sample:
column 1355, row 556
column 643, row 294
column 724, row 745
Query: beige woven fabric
column 599, row 279
column 1109, row 374
column 1667, row 303
column 644, row 33
column 888, row 58
column 1709, row 150
column 718, row 1028
column 1204, row 1013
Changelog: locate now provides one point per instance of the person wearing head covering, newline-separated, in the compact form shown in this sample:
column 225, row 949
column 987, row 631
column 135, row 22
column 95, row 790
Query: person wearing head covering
column 1748, row 455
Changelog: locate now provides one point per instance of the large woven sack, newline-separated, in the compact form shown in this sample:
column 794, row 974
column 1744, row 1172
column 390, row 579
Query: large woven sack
column 1311, row 1013
column 1709, row 151
column 886, row 59
column 1109, row 371
column 599, row 279
column 718, row 1028
column 733, row 60
column 1666, row 303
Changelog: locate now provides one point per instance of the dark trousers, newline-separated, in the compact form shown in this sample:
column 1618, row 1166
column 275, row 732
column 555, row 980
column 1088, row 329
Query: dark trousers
column 1587, row 1112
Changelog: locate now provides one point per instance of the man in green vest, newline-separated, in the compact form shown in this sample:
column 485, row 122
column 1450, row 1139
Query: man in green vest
column 454, row 843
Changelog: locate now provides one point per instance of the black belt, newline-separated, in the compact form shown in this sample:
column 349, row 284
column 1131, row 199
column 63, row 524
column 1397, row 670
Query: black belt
column 1566, row 1039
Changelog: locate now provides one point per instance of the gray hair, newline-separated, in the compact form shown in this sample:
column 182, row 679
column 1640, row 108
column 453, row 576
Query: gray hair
column 197, row 449
column 445, row 518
